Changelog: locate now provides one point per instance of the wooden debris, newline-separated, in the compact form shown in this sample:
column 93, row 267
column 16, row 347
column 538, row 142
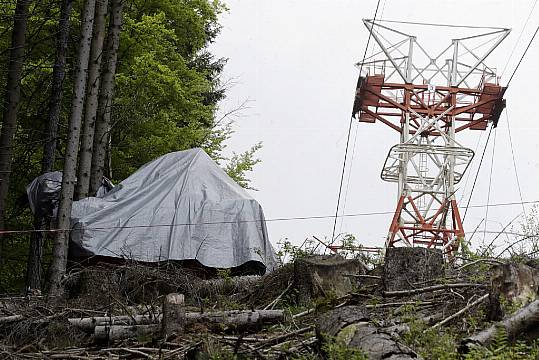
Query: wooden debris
column 461, row 311
column 12, row 318
column 429, row 289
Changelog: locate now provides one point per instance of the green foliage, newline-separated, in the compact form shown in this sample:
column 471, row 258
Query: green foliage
column 289, row 252
column 441, row 344
column 337, row 350
column 430, row 343
column 241, row 164
column 334, row 349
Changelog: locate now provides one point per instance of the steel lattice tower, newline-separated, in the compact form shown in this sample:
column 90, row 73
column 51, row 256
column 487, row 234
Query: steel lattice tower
column 428, row 100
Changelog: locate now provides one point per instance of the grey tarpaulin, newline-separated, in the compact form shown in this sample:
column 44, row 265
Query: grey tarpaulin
column 181, row 206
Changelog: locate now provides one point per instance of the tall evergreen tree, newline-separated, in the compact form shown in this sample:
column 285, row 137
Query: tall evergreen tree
column 106, row 92
column 11, row 101
column 60, row 247
column 94, row 77
column 41, row 221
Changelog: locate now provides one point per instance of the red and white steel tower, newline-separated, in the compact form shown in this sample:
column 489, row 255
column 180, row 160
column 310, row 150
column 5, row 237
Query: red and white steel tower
column 428, row 99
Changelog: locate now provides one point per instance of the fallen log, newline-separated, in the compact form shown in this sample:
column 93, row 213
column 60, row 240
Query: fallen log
column 108, row 329
column 9, row 319
column 118, row 332
column 233, row 317
column 236, row 317
column 89, row 324
column 429, row 289
column 524, row 320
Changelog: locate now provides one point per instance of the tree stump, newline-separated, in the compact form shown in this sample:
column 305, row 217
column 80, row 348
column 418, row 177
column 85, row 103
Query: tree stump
column 320, row 275
column 515, row 283
column 173, row 315
column 406, row 267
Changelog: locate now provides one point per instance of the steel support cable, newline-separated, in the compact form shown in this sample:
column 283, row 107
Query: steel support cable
column 515, row 166
column 523, row 55
column 469, row 172
column 518, row 39
column 490, row 183
column 477, row 174
column 347, row 181
column 349, row 131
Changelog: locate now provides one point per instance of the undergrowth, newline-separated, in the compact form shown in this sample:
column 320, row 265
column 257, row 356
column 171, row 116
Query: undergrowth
column 442, row 344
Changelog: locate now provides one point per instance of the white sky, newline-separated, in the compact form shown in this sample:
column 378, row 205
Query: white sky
column 293, row 59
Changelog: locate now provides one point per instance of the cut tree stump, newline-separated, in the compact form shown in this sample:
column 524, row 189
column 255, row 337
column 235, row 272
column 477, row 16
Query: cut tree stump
column 516, row 283
column 173, row 315
column 321, row 275
column 408, row 267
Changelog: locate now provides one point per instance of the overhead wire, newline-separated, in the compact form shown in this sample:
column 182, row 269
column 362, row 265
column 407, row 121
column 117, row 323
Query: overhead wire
column 523, row 55
column 469, row 172
column 477, row 174
column 354, row 145
column 519, row 38
column 278, row 219
column 441, row 25
column 515, row 165
column 490, row 182
column 349, row 131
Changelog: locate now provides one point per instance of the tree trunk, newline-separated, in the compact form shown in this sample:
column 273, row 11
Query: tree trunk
column 94, row 68
column 59, row 262
column 11, row 103
column 33, row 271
column 106, row 92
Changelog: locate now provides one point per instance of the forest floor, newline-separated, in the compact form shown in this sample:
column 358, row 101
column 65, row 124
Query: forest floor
column 428, row 320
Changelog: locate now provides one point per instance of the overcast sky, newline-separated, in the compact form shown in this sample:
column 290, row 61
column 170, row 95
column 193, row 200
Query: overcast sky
column 293, row 60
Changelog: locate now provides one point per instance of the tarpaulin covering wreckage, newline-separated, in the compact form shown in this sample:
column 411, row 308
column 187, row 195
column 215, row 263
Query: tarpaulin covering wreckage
column 181, row 206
